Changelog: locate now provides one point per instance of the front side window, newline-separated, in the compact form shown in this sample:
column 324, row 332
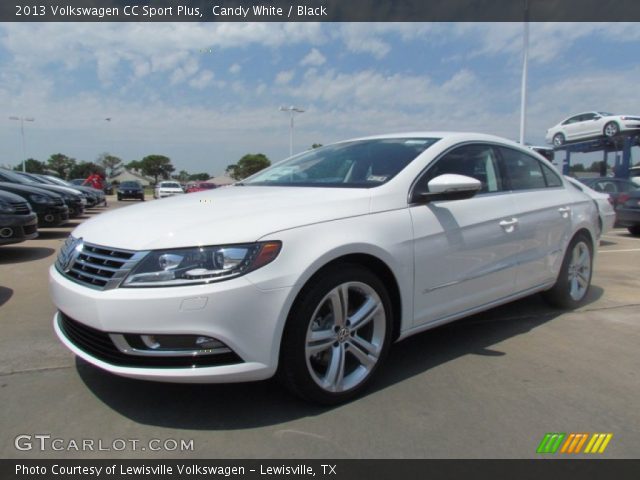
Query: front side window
column 358, row 164
column 477, row 161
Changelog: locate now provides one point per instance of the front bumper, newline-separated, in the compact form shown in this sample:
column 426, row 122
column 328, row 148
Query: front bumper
column 246, row 319
column 23, row 227
column 52, row 216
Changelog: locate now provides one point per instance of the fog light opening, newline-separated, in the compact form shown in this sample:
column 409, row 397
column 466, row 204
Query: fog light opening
column 6, row 232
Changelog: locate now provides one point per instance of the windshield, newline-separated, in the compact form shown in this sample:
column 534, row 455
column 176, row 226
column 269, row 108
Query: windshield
column 169, row 185
column 358, row 164
column 605, row 114
column 129, row 185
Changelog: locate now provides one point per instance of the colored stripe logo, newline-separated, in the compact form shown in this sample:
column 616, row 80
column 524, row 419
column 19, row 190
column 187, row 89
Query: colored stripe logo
column 574, row 442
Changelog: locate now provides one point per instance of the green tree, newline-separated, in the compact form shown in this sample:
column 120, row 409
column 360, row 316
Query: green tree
column 248, row 165
column 182, row 176
column 134, row 165
column 199, row 176
column 157, row 166
column 316, row 145
column 84, row 169
column 32, row 165
column 577, row 167
column 110, row 163
column 61, row 164
column 595, row 166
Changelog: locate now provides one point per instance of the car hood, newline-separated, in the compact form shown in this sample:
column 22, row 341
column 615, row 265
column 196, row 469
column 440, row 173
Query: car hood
column 221, row 216
column 22, row 190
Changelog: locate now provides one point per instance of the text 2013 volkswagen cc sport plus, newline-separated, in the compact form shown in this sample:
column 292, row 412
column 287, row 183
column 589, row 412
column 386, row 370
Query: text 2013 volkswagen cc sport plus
column 313, row 267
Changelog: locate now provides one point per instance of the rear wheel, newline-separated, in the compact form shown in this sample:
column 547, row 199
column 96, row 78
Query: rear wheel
column 337, row 335
column 119, row 197
column 611, row 129
column 634, row 230
column 558, row 140
column 574, row 279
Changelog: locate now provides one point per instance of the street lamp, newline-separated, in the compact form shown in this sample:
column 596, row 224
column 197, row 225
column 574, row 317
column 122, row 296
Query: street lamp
column 525, row 61
column 292, row 110
column 24, row 148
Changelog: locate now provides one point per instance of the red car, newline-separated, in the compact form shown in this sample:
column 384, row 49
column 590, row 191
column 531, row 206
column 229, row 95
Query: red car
column 199, row 186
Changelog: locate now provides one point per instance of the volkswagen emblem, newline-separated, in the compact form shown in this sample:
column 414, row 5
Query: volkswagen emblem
column 70, row 254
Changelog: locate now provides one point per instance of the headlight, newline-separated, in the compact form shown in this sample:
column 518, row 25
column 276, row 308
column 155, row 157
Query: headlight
column 41, row 199
column 190, row 266
column 6, row 207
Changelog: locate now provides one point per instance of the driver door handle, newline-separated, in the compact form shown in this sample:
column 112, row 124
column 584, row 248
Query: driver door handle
column 509, row 225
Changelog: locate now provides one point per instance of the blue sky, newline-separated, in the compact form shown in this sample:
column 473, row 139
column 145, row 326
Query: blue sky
column 166, row 93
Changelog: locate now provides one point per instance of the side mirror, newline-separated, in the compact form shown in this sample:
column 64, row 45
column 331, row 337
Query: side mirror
column 449, row 186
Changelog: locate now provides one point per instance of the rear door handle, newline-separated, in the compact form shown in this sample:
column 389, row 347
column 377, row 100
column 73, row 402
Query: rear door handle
column 509, row 225
column 564, row 211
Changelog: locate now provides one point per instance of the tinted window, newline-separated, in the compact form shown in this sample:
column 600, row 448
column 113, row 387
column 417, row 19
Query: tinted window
column 587, row 116
column 476, row 161
column 524, row 172
column 572, row 120
column 360, row 164
column 170, row 185
column 129, row 185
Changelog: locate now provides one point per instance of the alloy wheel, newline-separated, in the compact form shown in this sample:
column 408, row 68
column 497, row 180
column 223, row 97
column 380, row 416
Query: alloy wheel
column 579, row 271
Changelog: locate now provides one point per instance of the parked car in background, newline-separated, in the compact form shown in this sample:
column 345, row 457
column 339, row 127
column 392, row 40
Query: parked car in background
column 108, row 188
column 590, row 125
column 130, row 189
column 617, row 188
column 628, row 212
column 167, row 189
column 315, row 265
column 85, row 192
column 17, row 221
column 48, row 206
column 193, row 187
column 603, row 202
column 72, row 198
column 94, row 197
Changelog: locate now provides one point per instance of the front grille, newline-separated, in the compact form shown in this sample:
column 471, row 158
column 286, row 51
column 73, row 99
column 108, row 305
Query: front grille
column 95, row 266
column 98, row 344
column 21, row 208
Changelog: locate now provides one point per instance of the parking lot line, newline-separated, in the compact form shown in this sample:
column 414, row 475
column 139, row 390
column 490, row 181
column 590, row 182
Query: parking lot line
column 620, row 251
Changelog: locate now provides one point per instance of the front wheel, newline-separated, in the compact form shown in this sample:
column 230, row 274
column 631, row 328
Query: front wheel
column 574, row 279
column 611, row 129
column 337, row 335
column 634, row 230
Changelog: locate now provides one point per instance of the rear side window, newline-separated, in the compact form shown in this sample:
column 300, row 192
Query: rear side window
column 551, row 176
column 477, row 161
column 522, row 171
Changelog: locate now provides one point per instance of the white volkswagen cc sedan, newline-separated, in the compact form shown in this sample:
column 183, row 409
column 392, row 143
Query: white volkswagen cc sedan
column 313, row 267
column 590, row 125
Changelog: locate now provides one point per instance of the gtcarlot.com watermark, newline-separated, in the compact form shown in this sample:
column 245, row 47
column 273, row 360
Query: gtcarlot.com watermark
column 44, row 442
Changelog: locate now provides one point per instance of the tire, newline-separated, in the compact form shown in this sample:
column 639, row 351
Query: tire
column 574, row 280
column 611, row 129
column 119, row 198
column 343, row 358
column 634, row 230
column 558, row 140
column 142, row 198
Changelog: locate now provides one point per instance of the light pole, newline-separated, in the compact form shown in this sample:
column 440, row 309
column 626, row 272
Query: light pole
column 292, row 110
column 24, row 148
column 525, row 61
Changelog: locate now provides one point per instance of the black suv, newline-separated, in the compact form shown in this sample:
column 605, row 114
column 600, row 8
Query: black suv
column 17, row 221
column 130, row 189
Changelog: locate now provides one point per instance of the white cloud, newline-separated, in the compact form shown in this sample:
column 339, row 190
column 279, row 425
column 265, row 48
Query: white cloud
column 283, row 78
column 235, row 68
column 313, row 58
column 202, row 80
